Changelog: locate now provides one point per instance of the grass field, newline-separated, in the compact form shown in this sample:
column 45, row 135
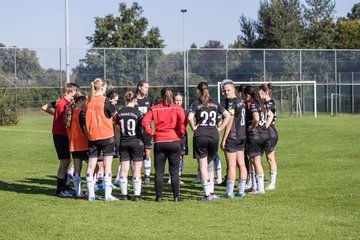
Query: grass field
column 317, row 194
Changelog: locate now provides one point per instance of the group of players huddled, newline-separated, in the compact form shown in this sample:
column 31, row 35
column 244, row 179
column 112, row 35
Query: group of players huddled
column 94, row 130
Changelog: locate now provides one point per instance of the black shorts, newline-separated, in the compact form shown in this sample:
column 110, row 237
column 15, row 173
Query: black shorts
column 205, row 146
column 106, row 147
column 82, row 155
column 148, row 141
column 132, row 149
column 232, row 145
column 61, row 146
column 256, row 147
column 270, row 144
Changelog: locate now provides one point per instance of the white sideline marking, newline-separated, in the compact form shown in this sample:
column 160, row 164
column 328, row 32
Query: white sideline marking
column 17, row 130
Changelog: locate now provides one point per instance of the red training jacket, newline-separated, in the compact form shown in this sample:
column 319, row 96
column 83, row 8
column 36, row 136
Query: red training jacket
column 169, row 122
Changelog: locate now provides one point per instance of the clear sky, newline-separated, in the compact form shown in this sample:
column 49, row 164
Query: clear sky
column 41, row 23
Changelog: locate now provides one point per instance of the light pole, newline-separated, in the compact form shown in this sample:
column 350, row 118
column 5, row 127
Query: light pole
column 183, row 25
column 67, row 64
column 183, row 11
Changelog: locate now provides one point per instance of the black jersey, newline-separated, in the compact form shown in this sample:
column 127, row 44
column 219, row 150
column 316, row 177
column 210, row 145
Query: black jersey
column 272, row 107
column 236, row 108
column 129, row 120
column 206, row 117
column 260, row 132
column 144, row 104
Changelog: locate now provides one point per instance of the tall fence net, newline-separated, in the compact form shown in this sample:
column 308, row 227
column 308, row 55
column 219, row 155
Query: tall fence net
column 31, row 77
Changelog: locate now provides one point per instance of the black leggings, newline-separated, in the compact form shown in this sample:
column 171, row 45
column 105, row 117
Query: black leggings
column 171, row 151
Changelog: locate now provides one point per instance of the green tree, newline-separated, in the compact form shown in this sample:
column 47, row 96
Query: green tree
column 319, row 23
column 355, row 12
column 126, row 31
column 119, row 66
column 247, row 37
column 347, row 34
column 279, row 24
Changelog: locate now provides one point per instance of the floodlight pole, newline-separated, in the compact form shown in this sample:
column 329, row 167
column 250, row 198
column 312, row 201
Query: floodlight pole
column 183, row 11
column 67, row 68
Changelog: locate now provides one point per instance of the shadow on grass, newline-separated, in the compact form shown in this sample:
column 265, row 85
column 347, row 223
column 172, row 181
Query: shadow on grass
column 30, row 186
column 47, row 186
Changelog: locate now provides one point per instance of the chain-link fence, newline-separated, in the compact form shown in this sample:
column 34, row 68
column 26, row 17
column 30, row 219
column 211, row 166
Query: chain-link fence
column 32, row 77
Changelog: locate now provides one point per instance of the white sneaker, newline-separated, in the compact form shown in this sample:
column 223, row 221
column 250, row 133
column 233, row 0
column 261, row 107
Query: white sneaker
column 270, row 187
column 111, row 198
column 248, row 185
column 217, row 181
column 169, row 181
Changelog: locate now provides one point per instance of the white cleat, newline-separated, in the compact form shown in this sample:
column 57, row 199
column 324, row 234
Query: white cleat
column 270, row 187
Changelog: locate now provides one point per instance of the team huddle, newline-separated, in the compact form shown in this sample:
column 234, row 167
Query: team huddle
column 93, row 129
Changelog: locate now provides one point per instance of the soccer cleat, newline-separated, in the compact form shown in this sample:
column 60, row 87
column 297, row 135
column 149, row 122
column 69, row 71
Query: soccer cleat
column 214, row 196
column 111, row 198
column 181, row 182
column 116, row 184
column 137, row 198
column 248, row 185
column 158, row 199
column 91, row 198
column 99, row 187
column 178, row 199
column 65, row 194
column 254, row 192
column 207, row 198
column 147, row 180
column 196, row 180
column 239, row 194
column 227, row 196
column 169, row 181
column 270, row 187
column 125, row 198
column 217, row 181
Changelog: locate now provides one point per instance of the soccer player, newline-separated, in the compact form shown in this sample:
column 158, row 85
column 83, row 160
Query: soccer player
column 99, row 127
column 61, row 140
column 206, row 135
column 234, row 138
column 178, row 99
column 78, row 142
column 131, row 149
column 261, row 119
column 264, row 92
column 144, row 103
column 169, row 124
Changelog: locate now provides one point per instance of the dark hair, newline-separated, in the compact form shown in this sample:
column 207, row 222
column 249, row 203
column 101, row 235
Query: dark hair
column 140, row 84
column 204, row 98
column 167, row 96
column 129, row 96
column 112, row 94
column 255, row 96
column 70, row 108
column 178, row 94
column 266, row 87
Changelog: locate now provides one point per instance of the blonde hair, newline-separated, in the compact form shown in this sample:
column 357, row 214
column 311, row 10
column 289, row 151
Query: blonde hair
column 96, row 85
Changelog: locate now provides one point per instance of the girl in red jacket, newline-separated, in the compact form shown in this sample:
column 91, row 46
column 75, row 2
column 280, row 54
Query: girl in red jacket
column 169, row 126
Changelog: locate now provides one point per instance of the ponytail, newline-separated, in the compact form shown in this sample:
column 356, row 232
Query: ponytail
column 70, row 109
column 129, row 96
column 204, row 93
column 167, row 96
column 96, row 85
